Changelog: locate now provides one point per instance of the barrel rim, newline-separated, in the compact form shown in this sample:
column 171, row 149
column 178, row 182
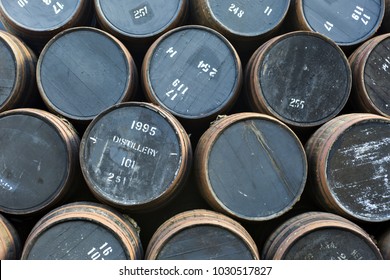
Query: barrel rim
column 285, row 236
column 182, row 171
column 123, row 230
column 303, row 20
column 355, row 119
column 259, row 61
column 247, row 35
column 202, row 157
column 153, row 97
column 61, row 131
column 197, row 217
column 13, row 50
column 182, row 8
column 376, row 41
column 59, row 26
column 131, row 76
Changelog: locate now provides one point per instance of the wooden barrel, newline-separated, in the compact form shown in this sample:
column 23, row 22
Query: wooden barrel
column 320, row 236
column 193, row 72
column 135, row 156
column 348, row 23
column 349, row 163
column 83, row 231
column 39, row 161
column 10, row 244
column 384, row 243
column 83, row 71
column 370, row 65
column 302, row 78
column 138, row 23
column 17, row 72
column 36, row 22
column 250, row 166
column 245, row 23
column 201, row 235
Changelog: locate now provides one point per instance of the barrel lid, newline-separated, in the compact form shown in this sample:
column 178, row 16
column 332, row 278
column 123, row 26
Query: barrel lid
column 192, row 71
column 377, row 75
column 332, row 243
column 39, row 16
column 357, row 169
column 299, row 86
column 139, row 18
column 76, row 240
column 135, row 156
column 347, row 23
column 216, row 243
column 249, row 18
column 244, row 170
column 8, row 71
column 34, row 162
column 83, row 71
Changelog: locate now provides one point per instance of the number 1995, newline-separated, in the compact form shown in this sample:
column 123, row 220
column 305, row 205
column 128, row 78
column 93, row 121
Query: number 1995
column 245, row 271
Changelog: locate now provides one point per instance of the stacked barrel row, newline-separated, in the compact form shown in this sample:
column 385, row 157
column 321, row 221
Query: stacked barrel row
column 195, row 129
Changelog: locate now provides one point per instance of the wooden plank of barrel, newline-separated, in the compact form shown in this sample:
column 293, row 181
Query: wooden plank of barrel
column 302, row 78
column 349, row 163
column 320, row 236
column 135, row 156
column 384, row 243
column 250, row 166
column 201, row 235
column 82, row 71
column 138, row 23
column 348, row 23
column 39, row 161
column 17, row 72
column 370, row 65
column 83, row 231
column 10, row 244
column 36, row 22
column 193, row 72
column 244, row 23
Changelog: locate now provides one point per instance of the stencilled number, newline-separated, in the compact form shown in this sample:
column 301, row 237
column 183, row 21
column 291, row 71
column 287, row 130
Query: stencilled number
column 22, row 3
column 140, row 13
column 358, row 14
column 206, row 68
column 236, row 10
column 171, row 51
column 328, row 25
column 178, row 88
column 297, row 103
column 100, row 253
column 58, row 7
column 268, row 11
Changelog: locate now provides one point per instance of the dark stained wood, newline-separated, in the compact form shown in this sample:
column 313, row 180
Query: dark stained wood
column 135, row 156
column 17, row 72
column 348, row 23
column 201, row 235
column 36, row 22
column 370, row 65
column 10, row 244
column 83, row 71
column 139, row 23
column 83, row 231
column 250, row 166
column 384, row 243
column 385, row 28
column 349, row 163
column 302, row 78
column 193, row 72
column 320, row 236
column 245, row 23
column 39, row 161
